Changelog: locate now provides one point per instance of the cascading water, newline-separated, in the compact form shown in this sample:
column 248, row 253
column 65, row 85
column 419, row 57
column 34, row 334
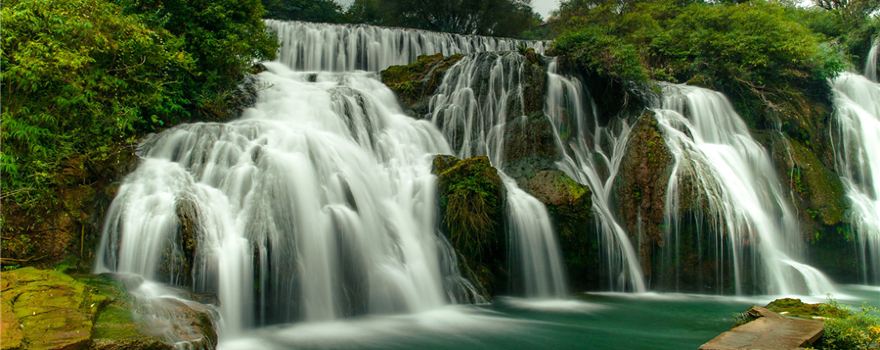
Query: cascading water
column 587, row 160
column 718, row 163
column 347, row 47
column 872, row 61
column 317, row 204
column 856, row 139
column 478, row 96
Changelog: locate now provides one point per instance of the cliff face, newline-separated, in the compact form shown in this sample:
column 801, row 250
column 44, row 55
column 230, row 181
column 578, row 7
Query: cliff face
column 801, row 154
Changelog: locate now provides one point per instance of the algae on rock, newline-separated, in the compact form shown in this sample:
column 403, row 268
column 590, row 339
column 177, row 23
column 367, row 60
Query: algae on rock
column 472, row 197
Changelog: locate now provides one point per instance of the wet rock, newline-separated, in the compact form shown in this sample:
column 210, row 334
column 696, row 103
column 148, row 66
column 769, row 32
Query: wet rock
column 529, row 146
column 471, row 197
column 416, row 82
column 50, row 310
column 640, row 188
column 570, row 207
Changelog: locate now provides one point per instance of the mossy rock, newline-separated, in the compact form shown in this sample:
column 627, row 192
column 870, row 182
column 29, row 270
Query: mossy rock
column 640, row 188
column 416, row 82
column 792, row 307
column 569, row 204
column 472, row 201
column 46, row 309
column 529, row 146
column 819, row 189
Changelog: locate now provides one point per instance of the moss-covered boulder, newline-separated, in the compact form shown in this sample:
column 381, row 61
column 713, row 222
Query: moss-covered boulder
column 416, row 82
column 46, row 309
column 529, row 146
column 820, row 199
column 640, row 188
column 472, row 197
column 569, row 204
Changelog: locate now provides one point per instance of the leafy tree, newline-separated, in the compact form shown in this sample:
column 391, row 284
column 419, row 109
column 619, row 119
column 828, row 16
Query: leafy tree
column 327, row 11
column 79, row 75
column 484, row 17
column 224, row 37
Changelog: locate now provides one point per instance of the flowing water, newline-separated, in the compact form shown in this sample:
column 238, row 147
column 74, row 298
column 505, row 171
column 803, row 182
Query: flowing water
column 346, row 47
column 312, row 218
column 856, row 138
column 592, row 156
column 730, row 178
column 872, row 61
column 473, row 105
column 317, row 204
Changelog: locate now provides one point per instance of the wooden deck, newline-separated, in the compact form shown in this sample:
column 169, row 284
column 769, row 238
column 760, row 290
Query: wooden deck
column 769, row 331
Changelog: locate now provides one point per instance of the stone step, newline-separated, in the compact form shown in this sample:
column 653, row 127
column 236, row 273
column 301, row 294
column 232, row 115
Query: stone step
column 768, row 331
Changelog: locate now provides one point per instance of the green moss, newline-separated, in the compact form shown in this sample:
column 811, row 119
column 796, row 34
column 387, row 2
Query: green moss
column 471, row 198
column 415, row 82
column 817, row 185
column 796, row 308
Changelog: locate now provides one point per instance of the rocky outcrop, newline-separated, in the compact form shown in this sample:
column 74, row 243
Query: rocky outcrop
column 69, row 230
column 416, row 82
column 529, row 147
column 570, row 207
column 640, row 188
column 472, row 202
column 46, row 309
column 821, row 203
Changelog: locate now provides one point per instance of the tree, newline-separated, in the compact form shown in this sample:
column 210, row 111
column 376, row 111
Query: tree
column 327, row 11
column 483, row 17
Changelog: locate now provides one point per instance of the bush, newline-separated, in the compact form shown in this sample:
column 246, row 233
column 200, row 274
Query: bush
column 859, row 330
column 78, row 76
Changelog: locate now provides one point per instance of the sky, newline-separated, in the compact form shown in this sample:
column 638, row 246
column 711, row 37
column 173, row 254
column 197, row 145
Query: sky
column 541, row 6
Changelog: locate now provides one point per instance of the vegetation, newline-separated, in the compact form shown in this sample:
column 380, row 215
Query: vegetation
column 84, row 78
column 844, row 328
column 509, row 18
column 327, row 11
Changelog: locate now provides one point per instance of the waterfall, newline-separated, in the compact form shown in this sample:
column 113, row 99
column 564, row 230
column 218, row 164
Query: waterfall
column 318, row 204
column 586, row 160
column 346, row 47
column 856, row 138
column 719, row 164
column 872, row 61
column 478, row 96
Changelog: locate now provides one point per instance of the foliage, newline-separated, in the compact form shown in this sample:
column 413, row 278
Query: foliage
column 844, row 328
column 756, row 52
column 484, row 17
column 858, row 330
column 84, row 78
column 327, row 11
column 224, row 37
column 602, row 53
column 79, row 75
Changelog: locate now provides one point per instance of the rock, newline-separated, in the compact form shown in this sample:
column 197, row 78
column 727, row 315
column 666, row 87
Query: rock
column 768, row 330
column 471, row 197
column 52, row 310
column 529, row 146
column 640, row 188
column 46, row 309
column 570, row 207
column 416, row 82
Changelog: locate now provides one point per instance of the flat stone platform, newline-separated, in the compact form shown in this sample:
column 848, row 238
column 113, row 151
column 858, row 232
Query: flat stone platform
column 768, row 331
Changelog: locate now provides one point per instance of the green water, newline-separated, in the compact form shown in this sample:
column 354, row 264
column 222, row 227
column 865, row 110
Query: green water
column 592, row 321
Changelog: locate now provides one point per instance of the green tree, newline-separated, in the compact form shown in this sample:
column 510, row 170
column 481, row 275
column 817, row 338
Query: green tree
column 79, row 75
column 224, row 37
column 483, row 17
column 327, row 11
